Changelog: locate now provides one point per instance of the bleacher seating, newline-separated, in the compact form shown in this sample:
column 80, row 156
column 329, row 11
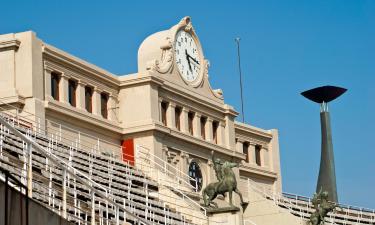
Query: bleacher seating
column 124, row 184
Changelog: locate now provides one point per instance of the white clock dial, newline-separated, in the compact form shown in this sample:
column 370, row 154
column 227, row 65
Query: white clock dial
column 187, row 56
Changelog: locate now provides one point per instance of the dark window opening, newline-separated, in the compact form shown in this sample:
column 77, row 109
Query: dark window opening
column 72, row 92
column 196, row 174
column 215, row 126
column 164, row 108
column 177, row 114
column 104, row 104
column 203, row 127
column 190, row 122
column 55, row 81
column 245, row 150
column 88, row 99
column 258, row 149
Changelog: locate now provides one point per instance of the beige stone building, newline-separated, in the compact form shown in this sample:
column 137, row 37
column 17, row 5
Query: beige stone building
column 175, row 115
column 165, row 119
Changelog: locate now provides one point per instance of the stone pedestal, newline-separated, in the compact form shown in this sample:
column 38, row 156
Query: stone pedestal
column 225, row 216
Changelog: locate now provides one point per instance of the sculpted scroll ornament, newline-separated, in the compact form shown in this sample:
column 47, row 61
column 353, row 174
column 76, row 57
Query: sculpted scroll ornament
column 165, row 64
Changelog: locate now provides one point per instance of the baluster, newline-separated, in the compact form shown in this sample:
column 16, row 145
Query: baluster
column 1, row 140
column 92, row 206
column 30, row 171
column 64, row 193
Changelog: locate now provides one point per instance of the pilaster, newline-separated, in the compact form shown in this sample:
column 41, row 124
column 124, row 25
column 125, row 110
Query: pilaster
column 81, row 94
column 8, row 47
column 96, row 107
column 209, row 130
column 47, row 84
column 184, row 120
column 197, row 125
column 112, row 108
column 171, row 120
column 63, row 88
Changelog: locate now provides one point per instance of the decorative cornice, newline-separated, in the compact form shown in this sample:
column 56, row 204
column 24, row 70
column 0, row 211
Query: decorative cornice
column 12, row 44
column 252, row 130
column 259, row 171
column 80, row 64
column 141, row 80
column 82, row 115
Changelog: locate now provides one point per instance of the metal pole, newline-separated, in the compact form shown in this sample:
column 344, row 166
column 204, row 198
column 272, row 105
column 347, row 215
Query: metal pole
column 239, row 68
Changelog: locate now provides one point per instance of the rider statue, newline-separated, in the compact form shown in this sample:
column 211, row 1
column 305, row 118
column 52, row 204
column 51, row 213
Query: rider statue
column 322, row 207
column 226, row 183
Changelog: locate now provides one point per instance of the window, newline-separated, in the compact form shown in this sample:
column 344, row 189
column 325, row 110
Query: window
column 258, row 149
column 196, row 174
column 55, row 81
column 177, row 114
column 215, row 125
column 190, row 122
column 72, row 86
column 104, row 104
column 88, row 99
column 164, row 107
column 245, row 150
column 203, row 127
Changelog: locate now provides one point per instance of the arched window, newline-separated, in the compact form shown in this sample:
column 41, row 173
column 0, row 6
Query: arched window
column 195, row 173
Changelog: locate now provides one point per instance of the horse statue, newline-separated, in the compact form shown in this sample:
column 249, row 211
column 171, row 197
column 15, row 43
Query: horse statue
column 227, row 183
column 322, row 208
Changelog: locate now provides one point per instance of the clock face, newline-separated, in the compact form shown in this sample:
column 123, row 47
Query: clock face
column 187, row 56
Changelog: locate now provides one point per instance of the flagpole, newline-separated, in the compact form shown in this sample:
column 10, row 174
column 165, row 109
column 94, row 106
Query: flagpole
column 239, row 68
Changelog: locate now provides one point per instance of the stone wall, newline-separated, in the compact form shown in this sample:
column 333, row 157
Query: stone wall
column 17, row 214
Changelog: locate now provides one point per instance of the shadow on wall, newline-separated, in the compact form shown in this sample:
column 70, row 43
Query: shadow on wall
column 17, row 206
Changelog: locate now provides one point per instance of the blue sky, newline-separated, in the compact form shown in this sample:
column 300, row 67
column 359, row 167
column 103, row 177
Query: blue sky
column 287, row 47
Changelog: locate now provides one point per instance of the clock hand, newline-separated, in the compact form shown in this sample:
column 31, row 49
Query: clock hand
column 187, row 58
column 196, row 61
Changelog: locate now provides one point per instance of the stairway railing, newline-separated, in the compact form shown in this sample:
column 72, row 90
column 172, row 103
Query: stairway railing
column 163, row 168
column 96, row 189
column 33, row 123
column 303, row 207
column 144, row 154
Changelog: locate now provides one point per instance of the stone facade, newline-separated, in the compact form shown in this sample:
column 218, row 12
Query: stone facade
column 178, row 121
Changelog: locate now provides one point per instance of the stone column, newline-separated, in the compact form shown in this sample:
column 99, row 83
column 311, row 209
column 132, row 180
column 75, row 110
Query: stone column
column 220, row 133
column 47, row 84
column 239, row 146
column 96, row 104
column 184, row 120
column 171, row 120
column 265, row 157
column 197, row 125
column 252, row 153
column 63, row 88
column 112, row 108
column 8, row 47
column 80, row 95
column 209, row 130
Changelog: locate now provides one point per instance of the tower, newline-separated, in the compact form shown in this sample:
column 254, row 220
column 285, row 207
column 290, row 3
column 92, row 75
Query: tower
column 327, row 175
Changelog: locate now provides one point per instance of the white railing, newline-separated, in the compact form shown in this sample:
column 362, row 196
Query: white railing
column 68, row 173
column 31, row 122
column 164, row 169
column 303, row 207
column 144, row 154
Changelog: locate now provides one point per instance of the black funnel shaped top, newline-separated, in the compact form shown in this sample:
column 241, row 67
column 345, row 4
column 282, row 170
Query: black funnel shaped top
column 324, row 93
